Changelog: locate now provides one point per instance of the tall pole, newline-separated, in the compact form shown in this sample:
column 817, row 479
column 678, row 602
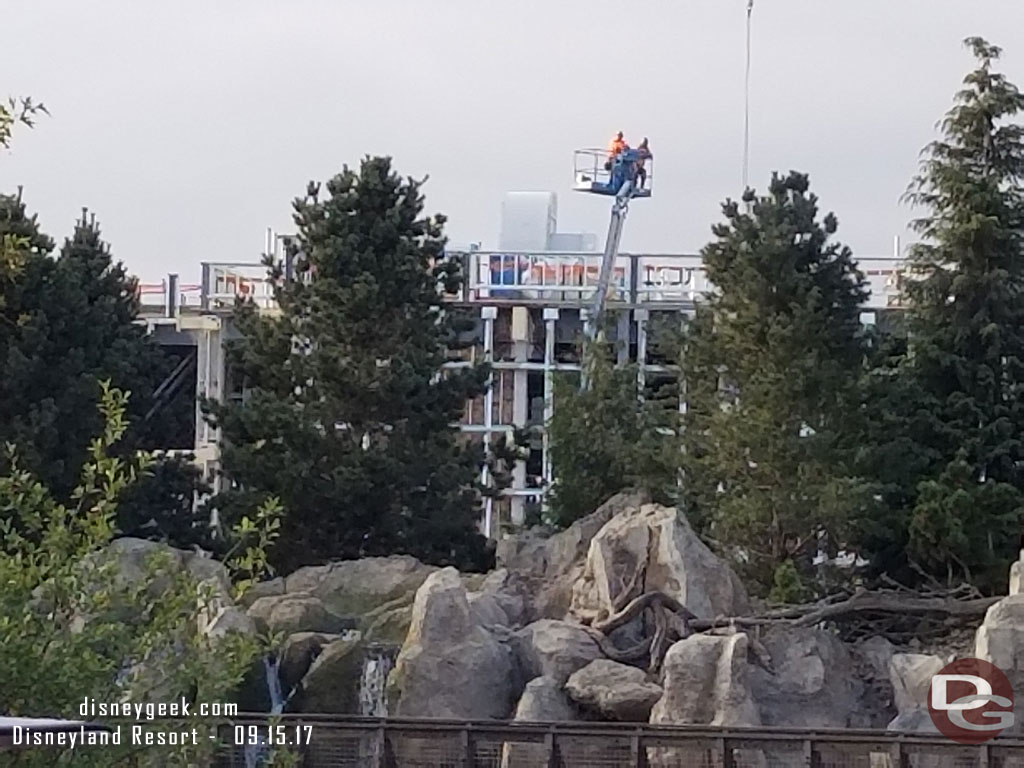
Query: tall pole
column 746, row 103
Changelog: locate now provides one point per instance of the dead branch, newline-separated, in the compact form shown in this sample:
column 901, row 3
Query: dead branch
column 621, row 655
column 898, row 613
column 634, row 583
column 638, row 606
column 865, row 602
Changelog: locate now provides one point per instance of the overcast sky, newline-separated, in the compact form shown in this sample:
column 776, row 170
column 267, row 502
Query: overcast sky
column 189, row 127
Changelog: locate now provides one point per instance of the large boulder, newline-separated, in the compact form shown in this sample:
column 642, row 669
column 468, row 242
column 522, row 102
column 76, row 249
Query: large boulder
column 813, row 681
column 354, row 588
column 270, row 588
column 911, row 676
column 332, row 683
column 450, row 666
column 298, row 653
column 548, row 565
column 616, row 691
column 654, row 548
column 872, row 657
column 1017, row 576
column 554, row 649
column 705, row 683
column 137, row 559
column 543, row 701
column 1000, row 641
column 291, row 613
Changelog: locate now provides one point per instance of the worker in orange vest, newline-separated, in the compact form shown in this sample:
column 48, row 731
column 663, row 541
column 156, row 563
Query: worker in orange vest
column 618, row 144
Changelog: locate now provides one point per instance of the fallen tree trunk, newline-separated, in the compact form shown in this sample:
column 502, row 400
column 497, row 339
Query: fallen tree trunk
column 833, row 609
column 867, row 602
column 839, row 608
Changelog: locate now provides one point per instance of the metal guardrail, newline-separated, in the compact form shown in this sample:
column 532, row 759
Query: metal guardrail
column 339, row 742
column 500, row 277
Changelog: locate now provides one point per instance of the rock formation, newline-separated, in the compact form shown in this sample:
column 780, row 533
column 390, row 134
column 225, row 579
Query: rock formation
column 625, row 616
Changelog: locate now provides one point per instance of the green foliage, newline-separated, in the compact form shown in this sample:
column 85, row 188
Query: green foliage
column 22, row 111
column 607, row 438
column 948, row 439
column 347, row 418
column 68, row 322
column 74, row 625
column 787, row 585
column 771, row 363
column 160, row 506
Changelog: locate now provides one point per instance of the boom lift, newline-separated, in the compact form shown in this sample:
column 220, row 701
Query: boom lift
column 621, row 182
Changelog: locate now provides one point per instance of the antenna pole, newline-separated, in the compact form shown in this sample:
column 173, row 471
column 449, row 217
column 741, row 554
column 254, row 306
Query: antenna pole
column 746, row 103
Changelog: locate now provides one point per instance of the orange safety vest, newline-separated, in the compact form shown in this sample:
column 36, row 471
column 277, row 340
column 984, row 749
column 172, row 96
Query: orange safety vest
column 617, row 145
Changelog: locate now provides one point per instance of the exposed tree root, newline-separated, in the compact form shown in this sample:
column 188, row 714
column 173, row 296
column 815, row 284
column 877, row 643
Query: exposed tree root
column 881, row 612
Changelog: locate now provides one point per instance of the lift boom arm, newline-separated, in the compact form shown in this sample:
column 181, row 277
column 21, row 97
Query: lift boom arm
column 611, row 252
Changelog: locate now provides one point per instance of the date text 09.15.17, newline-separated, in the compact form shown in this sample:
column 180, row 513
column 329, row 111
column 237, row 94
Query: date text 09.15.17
column 272, row 735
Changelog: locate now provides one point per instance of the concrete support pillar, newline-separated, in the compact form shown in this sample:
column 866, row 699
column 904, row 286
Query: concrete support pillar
column 211, row 364
column 550, row 321
column 171, row 299
column 521, row 336
column 641, row 316
column 489, row 314
column 623, row 324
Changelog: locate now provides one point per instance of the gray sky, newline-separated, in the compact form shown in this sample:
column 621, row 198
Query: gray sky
column 189, row 127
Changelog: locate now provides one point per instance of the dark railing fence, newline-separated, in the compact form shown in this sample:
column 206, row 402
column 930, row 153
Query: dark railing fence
column 336, row 742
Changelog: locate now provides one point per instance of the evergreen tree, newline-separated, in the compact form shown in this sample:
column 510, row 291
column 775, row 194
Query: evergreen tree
column 771, row 363
column 959, row 414
column 68, row 324
column 347, row 417
column 161, row 505
column 609, row 438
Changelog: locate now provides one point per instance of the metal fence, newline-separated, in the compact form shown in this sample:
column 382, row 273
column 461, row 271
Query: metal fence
column 393, row 743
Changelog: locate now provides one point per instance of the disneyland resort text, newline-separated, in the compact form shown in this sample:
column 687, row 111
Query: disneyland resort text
column 137, row 736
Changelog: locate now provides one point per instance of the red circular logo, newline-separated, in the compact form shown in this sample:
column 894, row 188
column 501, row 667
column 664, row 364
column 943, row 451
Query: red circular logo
column 970, row 701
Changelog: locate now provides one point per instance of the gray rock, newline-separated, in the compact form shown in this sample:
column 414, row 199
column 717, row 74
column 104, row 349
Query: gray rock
column 543, row 701
column 487, row 610
column 262, row 589
column 705, row 683
column 450, row 666
column 813, row 682
column 332, row 683
column 298, row 653
column 1017, row 575
column 1000, row 641
column 357, row 587
column 911, row 677
column 231, row 619
column 872, row 657
column 291, row 613
column 674, row 560
column 554, row 649
column 549, row 565
column 136, row 559
column 913, row 721
column 616, row 691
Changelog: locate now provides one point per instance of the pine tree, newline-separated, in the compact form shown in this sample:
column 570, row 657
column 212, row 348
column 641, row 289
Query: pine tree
column 961, row 416
column 69, row 324
column 610, row 437
column 771, row 366
column 347, row 417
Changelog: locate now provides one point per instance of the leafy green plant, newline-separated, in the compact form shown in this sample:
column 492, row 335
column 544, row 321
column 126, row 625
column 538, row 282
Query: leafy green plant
column 84, row 617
